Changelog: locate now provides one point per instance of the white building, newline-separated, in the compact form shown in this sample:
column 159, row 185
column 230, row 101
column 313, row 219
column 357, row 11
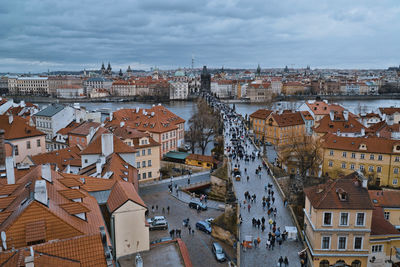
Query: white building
column 28, row 85
column 70, row 91
column 98, row 82
column 178, row 90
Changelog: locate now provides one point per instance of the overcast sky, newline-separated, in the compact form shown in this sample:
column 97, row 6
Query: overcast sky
column 36, row 35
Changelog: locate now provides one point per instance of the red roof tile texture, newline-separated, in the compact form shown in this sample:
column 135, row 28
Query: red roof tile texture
column 18, row 128
column 261, row 114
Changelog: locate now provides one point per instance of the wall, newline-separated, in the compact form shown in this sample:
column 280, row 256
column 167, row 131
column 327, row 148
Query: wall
column 131, row 234
column 23, row 151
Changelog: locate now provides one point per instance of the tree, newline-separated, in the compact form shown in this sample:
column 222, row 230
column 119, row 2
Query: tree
column 204, row 124
column 304, row 153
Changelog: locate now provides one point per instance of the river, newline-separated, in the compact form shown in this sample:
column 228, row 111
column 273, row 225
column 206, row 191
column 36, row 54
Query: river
column 185, row 109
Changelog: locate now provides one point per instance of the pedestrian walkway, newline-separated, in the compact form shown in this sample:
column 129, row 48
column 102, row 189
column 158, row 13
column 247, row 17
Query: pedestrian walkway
column 260, row 256
column 178, row 178
column 186, row 198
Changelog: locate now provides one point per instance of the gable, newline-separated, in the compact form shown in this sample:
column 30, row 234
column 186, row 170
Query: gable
column 129, row 205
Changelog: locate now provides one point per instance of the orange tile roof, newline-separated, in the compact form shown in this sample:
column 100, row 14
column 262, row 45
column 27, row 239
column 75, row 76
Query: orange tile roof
column 385, row 198
column 127, row 132
column 95, row 147
column 63, row 157
column 162, row 121
column 326, row 125
column 68, row 128
column 288, row 119
column 307, row 115
column 121, row 192
column 325, row 196
column 84, row 250
column 322, row 108
column 18, row 129
column 74, row 207
column 380, row 226
column 84, row 128
column 261, row 114
column 72, row 194
column 389, row 111
column 35, row 230
column 373, row 144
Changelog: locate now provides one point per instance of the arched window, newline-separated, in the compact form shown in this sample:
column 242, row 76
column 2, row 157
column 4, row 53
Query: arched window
column 340, row 263
column 356, row 263
column 324, row 263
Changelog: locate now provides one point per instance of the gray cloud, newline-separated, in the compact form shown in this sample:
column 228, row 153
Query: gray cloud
column 39, row 34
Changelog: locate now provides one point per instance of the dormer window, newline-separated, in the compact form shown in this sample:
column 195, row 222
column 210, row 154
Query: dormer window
column 343, row 196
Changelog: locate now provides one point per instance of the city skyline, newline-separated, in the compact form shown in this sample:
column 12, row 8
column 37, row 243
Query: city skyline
column 41, row 35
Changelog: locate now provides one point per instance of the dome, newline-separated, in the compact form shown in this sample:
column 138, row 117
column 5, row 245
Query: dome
column 179, row 73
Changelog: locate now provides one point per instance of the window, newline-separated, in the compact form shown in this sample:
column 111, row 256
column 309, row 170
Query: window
column 344, row 219
column 343, row 165
column 138, row 165
column 149, row 163
column 149, row 151
column 371, row 168
column 358, row 242
column 397, row 159
column 394, row 182
column 77, row 139
column 360, row 219
column 380, row 157
column 149, row 174
column 38, row 142
column 327, row 218
column 28, row 144
column 331, row 153
column 372, row 157
column 342, row 242
column 362, row 167
column 352, row 166
column 144, row 164
column 330, row 163
column 362, row 156
column 379, row 169
column 386, row 214
column 326, row 242
column 143, row 152
column 353, row 155
column 144, row 175
column 377, row 248
column 16, row 150
column 138, row 176
column 396, row 170
column 344, row 154
column 138, row 154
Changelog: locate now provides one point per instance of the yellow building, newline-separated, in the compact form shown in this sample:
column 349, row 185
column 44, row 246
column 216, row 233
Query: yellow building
column 258, row 121
column 337, row 222
column 377, row 158
column 385, row 236
column 203, row 161
column 284, row 128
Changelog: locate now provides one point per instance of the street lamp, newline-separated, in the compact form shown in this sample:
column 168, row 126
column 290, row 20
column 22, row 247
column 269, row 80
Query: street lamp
column 397, row 250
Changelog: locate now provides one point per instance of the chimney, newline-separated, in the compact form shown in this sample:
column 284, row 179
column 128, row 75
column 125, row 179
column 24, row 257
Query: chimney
column 10, row 170
column 137, row 109
column 346, row 115
column 362, row 131
column 111, row 116
column 2, row 149
column 30, row 260
column 22, row 104
column 77, row 120
column 46, row 172
column 122, row 124
column 107, row 144
column 144, row 112
column 41, row 191
column 98, row 167
column 10, row 119
column 332, row 115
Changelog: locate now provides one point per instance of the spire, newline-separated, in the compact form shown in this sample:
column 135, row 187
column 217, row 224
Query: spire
column 109, row 66
column 120, row 73
column 129, row 69
column 258, row 70
column 102, row 66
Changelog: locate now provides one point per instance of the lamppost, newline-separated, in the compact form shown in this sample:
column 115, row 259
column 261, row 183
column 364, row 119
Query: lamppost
column 397, row 251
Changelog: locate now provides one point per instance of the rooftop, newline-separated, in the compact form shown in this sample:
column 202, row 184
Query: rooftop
column 50, row 111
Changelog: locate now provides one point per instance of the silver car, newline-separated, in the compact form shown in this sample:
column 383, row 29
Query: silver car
column 218, row 252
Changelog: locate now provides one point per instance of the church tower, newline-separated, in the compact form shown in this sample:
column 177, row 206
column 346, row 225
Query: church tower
column 103, row 69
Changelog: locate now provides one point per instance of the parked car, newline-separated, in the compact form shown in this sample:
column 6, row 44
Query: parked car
column 159, row 225
column 218, row 252
column 197, row 205
column 203, row 226
column 156, row 218
column 162, row 239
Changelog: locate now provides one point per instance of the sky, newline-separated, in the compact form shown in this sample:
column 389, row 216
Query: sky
column 41, row 35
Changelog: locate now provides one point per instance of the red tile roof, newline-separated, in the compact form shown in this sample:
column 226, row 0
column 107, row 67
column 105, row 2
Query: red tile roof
column 385, row 198
column 121, row 192
column 18, row 128
column 389, row 111
column 261, row 114
column 322, row 108
column 325, row 196
column 380, row 226
column 62, row 158
column 288, row 119
column 84, row 128
column 326, row 125
column 95, row 147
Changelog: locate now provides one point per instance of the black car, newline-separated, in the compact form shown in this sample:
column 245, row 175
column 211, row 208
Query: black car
column 197, row 205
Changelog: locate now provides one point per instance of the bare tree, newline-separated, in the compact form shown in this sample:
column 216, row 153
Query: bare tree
column 204, row 124
column 304, row 153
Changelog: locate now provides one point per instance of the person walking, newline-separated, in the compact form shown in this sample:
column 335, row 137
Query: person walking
column 190, row 229
column 168, row 209
column 152, row 209
column 286, row 261
column 280, row 261
column 248, row 207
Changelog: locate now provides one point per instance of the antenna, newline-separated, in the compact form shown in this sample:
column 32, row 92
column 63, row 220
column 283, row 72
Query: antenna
column 192, row 61
column 4, row 238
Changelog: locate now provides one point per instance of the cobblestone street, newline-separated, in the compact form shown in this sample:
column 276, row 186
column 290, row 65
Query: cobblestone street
column 260, row 256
